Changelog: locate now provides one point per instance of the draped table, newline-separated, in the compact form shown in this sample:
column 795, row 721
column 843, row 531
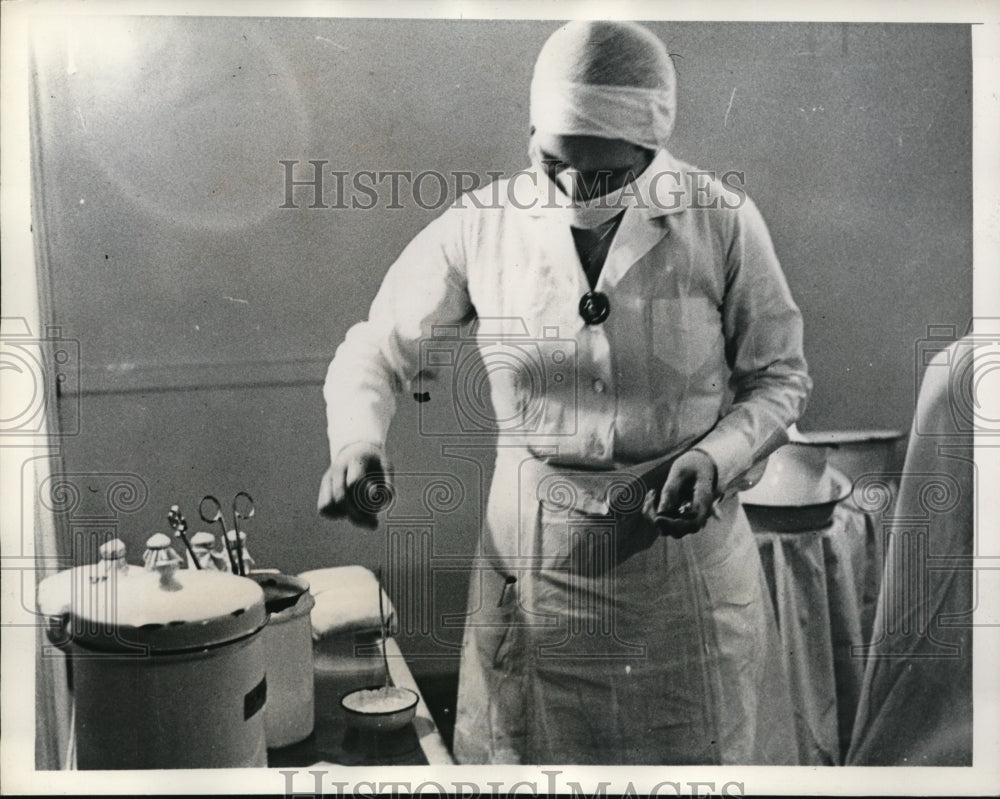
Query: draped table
column 824, row 585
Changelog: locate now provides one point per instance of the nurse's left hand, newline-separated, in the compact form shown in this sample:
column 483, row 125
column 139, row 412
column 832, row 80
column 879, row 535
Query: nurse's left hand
column 686, row 499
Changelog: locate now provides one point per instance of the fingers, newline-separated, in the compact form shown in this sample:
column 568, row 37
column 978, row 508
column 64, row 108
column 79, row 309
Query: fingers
column 357, row 485
column 662, row 522
column 649, row 506
column 675, row 493
column 702, row 495
column 678, row 527
column 364, row 480
column 682, row 497
column 686, row 500
column 331, row 493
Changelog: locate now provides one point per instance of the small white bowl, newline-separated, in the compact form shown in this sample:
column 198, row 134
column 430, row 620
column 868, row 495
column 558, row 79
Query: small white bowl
column 796, row 474
column 382, row 708
column 798, row 491
column 765, row 517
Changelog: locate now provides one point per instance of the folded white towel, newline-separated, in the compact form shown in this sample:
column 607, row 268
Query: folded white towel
column 346, row 601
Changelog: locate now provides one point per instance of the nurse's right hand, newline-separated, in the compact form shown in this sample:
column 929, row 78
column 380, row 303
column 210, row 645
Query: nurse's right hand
column 357, row 485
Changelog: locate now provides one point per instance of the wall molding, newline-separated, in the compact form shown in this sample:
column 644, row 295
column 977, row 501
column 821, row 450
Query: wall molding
column 157, row 378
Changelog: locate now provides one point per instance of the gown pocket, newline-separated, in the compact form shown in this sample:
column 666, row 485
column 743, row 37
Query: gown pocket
column 685, row 333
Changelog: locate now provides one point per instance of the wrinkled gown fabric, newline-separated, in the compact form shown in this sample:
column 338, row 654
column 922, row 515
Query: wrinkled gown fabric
column 589, row 638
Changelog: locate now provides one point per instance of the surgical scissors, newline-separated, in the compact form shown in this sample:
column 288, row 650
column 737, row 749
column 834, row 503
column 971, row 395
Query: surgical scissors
column 235, row 558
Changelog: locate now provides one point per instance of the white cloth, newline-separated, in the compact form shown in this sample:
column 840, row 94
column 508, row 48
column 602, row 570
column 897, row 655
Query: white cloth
column 609, row 79
column 641, row 116
column 704, row 343
column 346, row 601
column 916, row 699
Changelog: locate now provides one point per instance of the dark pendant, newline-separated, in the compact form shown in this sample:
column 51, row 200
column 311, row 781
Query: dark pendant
column 594, row 307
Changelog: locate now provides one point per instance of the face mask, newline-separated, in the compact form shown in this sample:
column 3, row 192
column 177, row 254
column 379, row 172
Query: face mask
column 583, row 213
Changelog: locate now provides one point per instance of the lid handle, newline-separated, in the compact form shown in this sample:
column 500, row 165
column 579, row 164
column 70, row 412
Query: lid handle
column 167, row 580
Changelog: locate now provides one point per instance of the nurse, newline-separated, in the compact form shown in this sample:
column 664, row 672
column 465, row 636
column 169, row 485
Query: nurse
column 617, row 610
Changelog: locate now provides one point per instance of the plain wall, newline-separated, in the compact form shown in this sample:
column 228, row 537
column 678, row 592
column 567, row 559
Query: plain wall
column 206, row 313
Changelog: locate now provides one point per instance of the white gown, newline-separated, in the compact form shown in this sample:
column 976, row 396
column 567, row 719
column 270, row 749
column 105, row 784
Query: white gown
column 663, row 652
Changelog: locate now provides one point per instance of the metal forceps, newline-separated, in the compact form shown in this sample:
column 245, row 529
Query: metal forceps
column 233, row 549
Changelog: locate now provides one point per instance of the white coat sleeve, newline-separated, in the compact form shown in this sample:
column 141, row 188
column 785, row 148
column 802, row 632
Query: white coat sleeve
column 763, row 331
column 425, row 286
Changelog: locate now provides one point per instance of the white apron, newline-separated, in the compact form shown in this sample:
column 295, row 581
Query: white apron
column 598, row 654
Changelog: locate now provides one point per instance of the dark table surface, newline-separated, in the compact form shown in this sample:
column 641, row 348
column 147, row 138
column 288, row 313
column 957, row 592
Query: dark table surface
column 335, row 741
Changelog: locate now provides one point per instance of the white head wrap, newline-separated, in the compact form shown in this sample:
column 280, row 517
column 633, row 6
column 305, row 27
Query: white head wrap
column 609, row 79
